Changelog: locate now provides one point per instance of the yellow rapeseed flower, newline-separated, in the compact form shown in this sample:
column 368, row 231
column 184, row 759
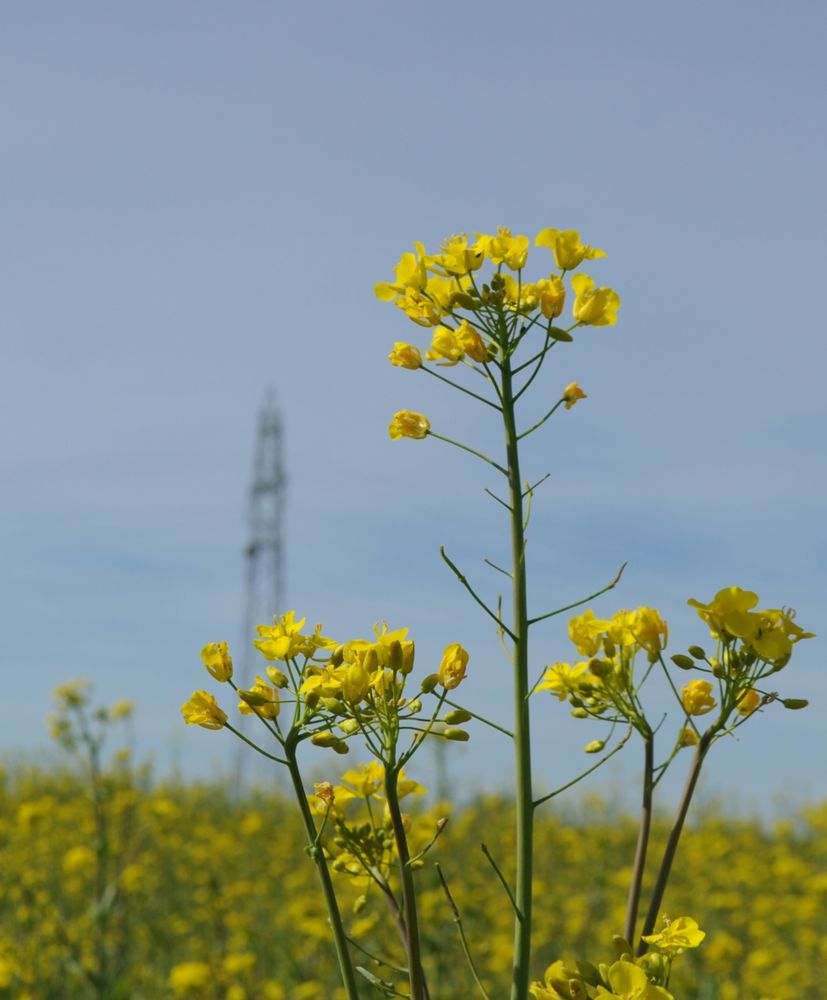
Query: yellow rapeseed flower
column 217, row 660
column 453, row 666
column 203, row 710
column 676, row 936
column 568, row 249
column 405, row 356
column 572, row 393
column 748, row 701
column 408, row 424
column 594, row 306
column 697, row 697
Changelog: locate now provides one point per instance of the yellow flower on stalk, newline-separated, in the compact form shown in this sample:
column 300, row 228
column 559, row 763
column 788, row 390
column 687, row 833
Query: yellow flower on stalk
column 650, row 630
column 629, row 982
column 564, row 680
column 572, row 393
column 445, row 346
column 283, row 639
column 453, row 666
column 260, row 699
column 471, row 342
column 729, row 602
column 687, row 737
column 408, row 424
column 420, row 308
column 676, row 936
column 551, row 296
column 410, row 274
column 696, row 697
column 748, row 701
column 586, row 632
column 568, row 249
column 217, row 660
column 202, row 710
column 356, row 683
column 503, row 248
column 456, row 257
column 405, row 356
column 594, row 306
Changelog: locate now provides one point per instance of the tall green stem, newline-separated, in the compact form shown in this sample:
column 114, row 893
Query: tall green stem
column 522, row 736
column 317, row 853
column 415, row 973
column 672, row 843
column 642, row 839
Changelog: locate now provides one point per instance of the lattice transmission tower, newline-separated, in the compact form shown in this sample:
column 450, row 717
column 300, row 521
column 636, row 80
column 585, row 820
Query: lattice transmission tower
column 264, row 553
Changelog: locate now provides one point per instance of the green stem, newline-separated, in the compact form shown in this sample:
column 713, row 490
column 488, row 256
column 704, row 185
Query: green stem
column 639, row 866
column 522, row 730
column 471, row 451
column 334, row 915
column 416, row 975
column 672, row 843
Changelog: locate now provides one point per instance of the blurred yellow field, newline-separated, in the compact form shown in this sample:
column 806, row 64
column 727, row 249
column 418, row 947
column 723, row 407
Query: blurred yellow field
column 180, row 891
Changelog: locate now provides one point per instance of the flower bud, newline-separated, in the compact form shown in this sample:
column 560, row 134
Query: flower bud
column 416, row 864
column 253, row 698
column 594, row 747
column 697, row 652
column 337, row 656
column 558, row 333
column 456, row 716
column 325, row 739
column 600, row 668
column 370, row 661
column 359, row 904
column 415, row 706
column 429, row 683
column 579, row 713
column 349, row 726
column 588, row 972
column 684, row 662
column 395, row 657
column 621, row 946
column 457, row 735
column 277, row 677
column 718, row 669
column 794, row 703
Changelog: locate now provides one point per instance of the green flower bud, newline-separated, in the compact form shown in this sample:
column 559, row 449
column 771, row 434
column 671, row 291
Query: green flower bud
column 588, row 973
column 621, row 946
column 429, row 683
column 396, row 660
column 697, row 652
column 684, row 662
column 579, row 713
column 360, row 903
column 594, row 747
column 277, row 677
column 558, row 333
column 794, row 703
column 456, row 716
column 457, row 735
column 337, row 656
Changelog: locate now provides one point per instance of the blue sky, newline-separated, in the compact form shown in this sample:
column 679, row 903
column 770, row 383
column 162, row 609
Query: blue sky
column 198, row 200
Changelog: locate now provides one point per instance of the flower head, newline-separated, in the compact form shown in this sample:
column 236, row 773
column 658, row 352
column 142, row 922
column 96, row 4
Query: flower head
column 677, row 935
column 594, row 306
column 202, row 710
column 453, row 666
column 572, row 393
column 405, row 356
column 697, row 697
column 217, row 660
column 568, row 249
column 406, row 423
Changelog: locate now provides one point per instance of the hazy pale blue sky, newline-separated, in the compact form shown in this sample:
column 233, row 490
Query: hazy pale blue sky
column 198, row 198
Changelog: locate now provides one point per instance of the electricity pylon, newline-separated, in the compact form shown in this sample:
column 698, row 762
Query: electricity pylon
column 264, row 553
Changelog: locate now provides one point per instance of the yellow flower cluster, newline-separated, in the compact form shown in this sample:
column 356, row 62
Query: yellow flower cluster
column 752, row 645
